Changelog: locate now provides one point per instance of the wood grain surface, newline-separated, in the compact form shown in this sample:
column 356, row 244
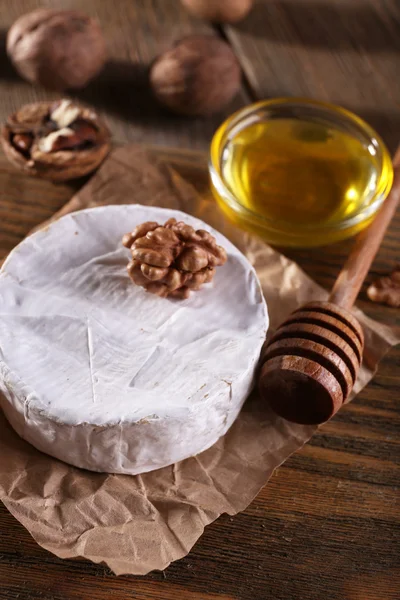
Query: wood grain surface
column 136, row 32
column 328, row 523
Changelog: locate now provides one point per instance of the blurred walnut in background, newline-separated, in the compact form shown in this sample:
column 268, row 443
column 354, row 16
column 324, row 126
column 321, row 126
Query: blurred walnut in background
column 58, row 49
column 219, row 11
column 55, row 140
column 199, row 75
column 386, row 289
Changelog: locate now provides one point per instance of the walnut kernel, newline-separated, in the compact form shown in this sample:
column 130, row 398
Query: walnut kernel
column 55, row 140
column 172, row 259
column 386, row 290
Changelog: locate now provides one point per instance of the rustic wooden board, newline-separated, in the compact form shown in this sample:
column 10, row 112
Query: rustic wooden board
column 341, row 51
column 327, row 525
column 136, row 32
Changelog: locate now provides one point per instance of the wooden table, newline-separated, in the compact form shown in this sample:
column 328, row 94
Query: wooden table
column 328, row 523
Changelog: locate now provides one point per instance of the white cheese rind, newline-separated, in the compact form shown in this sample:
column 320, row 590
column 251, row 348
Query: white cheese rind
column 103, row 375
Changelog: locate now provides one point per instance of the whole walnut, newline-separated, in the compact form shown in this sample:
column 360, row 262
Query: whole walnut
column 219, row 11
column 172, row 259
column 58, row 49
column 199, row 75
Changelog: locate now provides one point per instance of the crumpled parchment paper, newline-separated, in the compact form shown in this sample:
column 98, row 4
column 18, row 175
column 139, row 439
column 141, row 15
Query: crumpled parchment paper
column 140, row 523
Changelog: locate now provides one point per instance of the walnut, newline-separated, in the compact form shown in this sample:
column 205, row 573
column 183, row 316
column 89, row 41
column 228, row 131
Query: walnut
column 55, row 140
column 172, row 259
column 386, row 290
column 219, row 11
column 58, row 49
column 198, row 76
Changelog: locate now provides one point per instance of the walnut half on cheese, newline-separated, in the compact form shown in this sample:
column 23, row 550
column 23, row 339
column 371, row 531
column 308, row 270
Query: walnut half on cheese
column 55, row 140
column 172, row 259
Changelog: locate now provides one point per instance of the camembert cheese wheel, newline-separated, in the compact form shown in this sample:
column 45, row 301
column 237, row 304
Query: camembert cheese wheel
column 103, row 375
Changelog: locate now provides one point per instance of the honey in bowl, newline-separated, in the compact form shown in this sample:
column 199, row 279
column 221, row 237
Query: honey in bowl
column 299, row 173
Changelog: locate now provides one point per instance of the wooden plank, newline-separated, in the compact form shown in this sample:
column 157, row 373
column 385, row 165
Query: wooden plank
column 327, row 525
column 26, row 202
column 136, row 32
column 341, row 51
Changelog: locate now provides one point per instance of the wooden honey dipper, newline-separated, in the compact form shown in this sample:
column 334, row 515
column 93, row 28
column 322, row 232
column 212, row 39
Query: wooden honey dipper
column 310, row 365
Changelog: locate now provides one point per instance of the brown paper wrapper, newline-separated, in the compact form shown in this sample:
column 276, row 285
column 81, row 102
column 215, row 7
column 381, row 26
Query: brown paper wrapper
column 135, row 524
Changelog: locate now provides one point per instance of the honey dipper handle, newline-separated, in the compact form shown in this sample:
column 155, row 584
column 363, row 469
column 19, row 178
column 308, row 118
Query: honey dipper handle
column 356, row 267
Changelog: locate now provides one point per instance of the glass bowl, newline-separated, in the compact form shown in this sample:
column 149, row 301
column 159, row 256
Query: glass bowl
column 283, row 169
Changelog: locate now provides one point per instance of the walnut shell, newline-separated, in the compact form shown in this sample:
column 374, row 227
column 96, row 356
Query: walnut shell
column 172, row 259
column 219, row 11
column 55, row 140
column 58, row 49
column 198, row 76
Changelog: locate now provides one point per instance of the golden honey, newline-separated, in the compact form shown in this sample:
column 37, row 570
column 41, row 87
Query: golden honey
column 300, row 181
